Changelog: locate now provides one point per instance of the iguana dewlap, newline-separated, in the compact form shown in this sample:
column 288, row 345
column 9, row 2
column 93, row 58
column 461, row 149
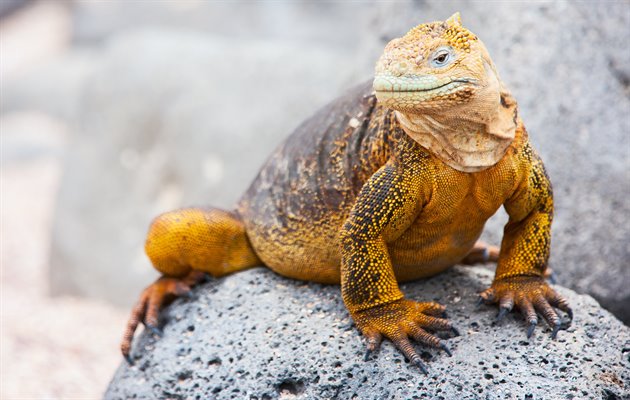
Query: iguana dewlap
column 390, row 183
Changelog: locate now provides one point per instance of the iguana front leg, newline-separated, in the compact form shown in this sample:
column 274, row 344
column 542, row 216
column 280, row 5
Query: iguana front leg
column 387, row 204
column 522, row 265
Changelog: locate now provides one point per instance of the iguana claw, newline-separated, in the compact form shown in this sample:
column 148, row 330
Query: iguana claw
column 530, row 328
column 128, row 359
column 422, row 367
column 401, row 321
column 532, row 296
column 156, row 331
column 444, row 347
column 555, row 330
column 502, row 313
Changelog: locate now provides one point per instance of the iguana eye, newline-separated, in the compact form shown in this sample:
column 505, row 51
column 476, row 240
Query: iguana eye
column 441, row 57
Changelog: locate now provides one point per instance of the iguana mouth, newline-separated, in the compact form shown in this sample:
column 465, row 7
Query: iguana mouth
column 411, row 84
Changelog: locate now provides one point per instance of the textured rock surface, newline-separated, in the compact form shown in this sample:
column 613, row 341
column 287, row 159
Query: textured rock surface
column 255, row 335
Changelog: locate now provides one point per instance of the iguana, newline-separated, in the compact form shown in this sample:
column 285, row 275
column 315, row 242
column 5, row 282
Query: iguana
column 390, row 183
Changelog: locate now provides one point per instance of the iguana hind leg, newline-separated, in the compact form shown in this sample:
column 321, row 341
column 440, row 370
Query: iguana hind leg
column 184, row 245
column 481, row 253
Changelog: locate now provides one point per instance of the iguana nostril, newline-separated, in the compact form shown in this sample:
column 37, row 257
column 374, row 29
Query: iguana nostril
column 400, row 68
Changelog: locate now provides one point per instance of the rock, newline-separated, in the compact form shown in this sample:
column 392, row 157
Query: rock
column 172, row 119
column 568, row 66
column 62, row 78
column 333, row 24
column 29, row 136
column 9, row 6
column 256, row 335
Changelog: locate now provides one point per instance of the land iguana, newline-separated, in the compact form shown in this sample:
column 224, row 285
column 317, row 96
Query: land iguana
column 392, row 182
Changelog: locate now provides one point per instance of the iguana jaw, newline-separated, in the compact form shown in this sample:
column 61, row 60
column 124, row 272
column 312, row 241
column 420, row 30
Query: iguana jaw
column 466, row 123
column 414, row 91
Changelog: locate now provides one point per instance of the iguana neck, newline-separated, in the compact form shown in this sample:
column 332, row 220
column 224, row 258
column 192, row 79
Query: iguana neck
column 469, row 138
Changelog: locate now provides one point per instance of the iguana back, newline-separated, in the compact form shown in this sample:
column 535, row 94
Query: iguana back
column 307, row 187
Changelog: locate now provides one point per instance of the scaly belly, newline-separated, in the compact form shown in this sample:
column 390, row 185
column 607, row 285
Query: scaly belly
column 442, row 235
column 312, row 253
column 422, row 252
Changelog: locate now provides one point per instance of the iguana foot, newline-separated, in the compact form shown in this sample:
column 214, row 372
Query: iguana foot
column 530, row 294
column 481, row 253
column 401, row 321
column 153, row 298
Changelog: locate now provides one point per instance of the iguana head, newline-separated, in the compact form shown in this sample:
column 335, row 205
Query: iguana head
column 447, row 94
column 435, row 65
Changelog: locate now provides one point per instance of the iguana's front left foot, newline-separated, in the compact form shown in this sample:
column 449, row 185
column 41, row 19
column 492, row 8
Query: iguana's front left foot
column 400, row 321
column 530, row 294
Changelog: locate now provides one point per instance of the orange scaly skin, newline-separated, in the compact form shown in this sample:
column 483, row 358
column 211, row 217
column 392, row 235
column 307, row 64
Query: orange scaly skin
column 383, row 187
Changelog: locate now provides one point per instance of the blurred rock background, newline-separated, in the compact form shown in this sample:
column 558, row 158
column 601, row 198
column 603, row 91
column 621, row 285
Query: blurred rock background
column 114, row 111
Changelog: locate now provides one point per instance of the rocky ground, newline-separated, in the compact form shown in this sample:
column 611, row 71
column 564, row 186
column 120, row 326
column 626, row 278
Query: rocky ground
column 255, row 335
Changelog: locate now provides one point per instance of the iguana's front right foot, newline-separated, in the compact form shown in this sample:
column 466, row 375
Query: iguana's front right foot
column 153, row 298
column 400, row 321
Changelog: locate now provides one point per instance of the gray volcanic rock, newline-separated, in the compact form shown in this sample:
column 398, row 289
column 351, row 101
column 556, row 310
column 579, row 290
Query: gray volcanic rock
column 256, row 335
